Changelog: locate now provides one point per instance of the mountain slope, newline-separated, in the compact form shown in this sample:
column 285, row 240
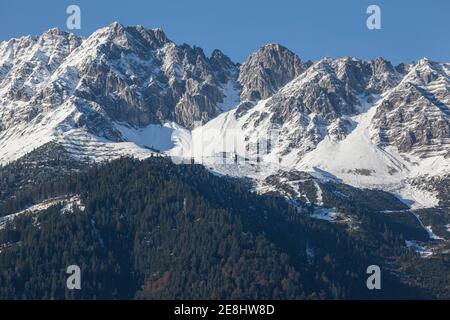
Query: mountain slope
column 132, row 91
column 151, row 229
column 311, row 170
column 57, row 83
column 347, row 118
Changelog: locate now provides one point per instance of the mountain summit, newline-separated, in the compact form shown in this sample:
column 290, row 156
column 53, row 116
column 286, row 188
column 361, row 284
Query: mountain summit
column 307, row 172
column 133, row 91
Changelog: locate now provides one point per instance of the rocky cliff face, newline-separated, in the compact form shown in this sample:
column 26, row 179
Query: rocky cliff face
column 415, row 115
column 267, row 70
column 125, row 74
column 320, row 101
column 366, row 123
column 57, row 83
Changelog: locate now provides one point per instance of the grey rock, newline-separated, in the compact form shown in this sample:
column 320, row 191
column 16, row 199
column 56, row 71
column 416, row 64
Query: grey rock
column 267, row 70
column 415, row 116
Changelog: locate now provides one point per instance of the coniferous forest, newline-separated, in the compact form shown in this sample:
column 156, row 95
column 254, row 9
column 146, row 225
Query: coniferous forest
column 155, row 230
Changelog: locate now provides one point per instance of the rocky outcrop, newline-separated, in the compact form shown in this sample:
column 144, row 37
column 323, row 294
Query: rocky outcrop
column 134, row 75
column 137, row 76
column 415, row 116
column 267, row 70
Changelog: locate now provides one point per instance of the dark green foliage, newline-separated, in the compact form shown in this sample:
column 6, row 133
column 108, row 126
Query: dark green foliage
column 155, row 230
column 19, row 179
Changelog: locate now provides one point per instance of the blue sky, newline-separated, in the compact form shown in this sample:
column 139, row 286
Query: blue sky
column 313, row 29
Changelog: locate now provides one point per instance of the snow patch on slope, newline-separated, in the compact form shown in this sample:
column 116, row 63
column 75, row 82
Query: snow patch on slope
column 420, row 249
column 431, row 234
column 154, row 136
column 231, row 96
column 84, row 145
column 326, row 214
column 71, row 203
column 17, row 141
column 319, row 199
column 414, row 197
column 44, row 205
column 357, row 160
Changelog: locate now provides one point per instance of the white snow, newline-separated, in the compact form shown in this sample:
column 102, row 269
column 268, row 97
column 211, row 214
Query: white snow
column 154, row 136
column 23, row 138
column 357, row 160
column 326, row 214
column 319, row 200
column 414, row 197
column 71, row 203
column 428, row 229
column 39, row 207
column 82, row 144
column 431, row 234
column 421, row 249
column 217, row 142
column 231, row 95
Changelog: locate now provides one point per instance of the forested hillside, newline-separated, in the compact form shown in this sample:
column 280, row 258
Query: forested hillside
column 154, row 230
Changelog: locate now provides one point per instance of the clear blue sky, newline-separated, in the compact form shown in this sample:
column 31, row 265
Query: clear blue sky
column 411, row 29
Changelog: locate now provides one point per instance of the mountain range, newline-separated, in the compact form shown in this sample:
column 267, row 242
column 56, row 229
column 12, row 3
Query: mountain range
column 125, row 90
column 323, row 135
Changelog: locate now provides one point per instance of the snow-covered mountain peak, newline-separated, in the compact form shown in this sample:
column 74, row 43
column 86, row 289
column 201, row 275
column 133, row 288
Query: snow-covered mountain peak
column 363, row 122
column 131, row 90
column 136, row 38
column 130, row 75
column 267, row 70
